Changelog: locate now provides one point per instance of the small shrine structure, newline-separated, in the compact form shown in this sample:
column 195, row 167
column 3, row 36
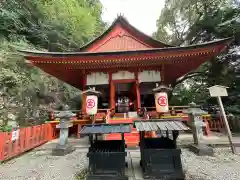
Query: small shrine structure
column 124, row 64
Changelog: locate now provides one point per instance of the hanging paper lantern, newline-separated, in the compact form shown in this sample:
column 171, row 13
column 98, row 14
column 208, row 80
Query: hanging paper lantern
column 91, row 104
column 161, row 102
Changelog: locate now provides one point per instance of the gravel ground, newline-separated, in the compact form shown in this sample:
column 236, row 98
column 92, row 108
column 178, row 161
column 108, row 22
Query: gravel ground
column 41, row 165
column 223, row 166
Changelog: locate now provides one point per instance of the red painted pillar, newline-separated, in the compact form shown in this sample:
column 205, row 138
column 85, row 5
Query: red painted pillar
column 112, row 92
column 207, row 130
column 78, row 131
column 84, row 83
column 138, row 100
column 162, row 74
column 137, row 90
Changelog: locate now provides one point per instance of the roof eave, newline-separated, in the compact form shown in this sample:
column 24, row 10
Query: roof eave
column 27, row 53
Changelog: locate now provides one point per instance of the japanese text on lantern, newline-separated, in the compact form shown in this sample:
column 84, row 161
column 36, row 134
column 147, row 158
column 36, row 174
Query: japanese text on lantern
column 162, row 101
column 90, row 103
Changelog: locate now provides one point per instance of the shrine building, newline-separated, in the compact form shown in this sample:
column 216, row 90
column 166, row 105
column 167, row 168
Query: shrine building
column 124, row 64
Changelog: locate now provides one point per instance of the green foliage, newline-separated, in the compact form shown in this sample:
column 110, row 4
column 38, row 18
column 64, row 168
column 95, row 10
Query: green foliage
column 82, row 175
column 5, row 128
column 75, row 21
column 181, row 21
column 184, row 22
column 55, row 25
column 192, row 90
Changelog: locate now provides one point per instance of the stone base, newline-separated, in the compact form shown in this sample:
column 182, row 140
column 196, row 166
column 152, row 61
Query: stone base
column 60, row 150
column 237, row 148
column 102, row 177
column 201, row 150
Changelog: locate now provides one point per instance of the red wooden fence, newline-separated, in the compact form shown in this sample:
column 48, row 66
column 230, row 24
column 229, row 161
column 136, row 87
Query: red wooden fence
column 218, row 124
column 29, row 138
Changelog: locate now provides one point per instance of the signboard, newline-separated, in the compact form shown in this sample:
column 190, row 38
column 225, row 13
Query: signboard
column 218, row 91
column 15, row 135
column 91, row 104
column 161, row 102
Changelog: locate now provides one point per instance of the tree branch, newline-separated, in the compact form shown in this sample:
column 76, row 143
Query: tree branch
column 187, row 76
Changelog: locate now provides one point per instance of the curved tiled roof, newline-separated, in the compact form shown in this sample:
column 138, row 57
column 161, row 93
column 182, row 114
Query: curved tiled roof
column 129, row 52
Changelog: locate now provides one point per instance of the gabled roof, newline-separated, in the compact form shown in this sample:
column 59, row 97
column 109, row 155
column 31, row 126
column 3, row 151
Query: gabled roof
column 123, row 27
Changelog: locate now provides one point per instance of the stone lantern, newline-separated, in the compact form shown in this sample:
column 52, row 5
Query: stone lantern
column 197, row 124
column 63, row 147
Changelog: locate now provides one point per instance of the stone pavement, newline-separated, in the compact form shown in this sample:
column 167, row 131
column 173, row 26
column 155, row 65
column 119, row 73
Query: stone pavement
column 215, row 139
column 134, row 170
column 39, row 164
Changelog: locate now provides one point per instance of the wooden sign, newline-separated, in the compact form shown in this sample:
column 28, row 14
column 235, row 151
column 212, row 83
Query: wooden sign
column 218, row 91
column 15, row 135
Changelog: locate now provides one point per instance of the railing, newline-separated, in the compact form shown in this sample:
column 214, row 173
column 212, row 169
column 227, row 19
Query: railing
column 80, row 114
column 108, row 115
column 171, row 108
column 29, row 138
column 216, row 124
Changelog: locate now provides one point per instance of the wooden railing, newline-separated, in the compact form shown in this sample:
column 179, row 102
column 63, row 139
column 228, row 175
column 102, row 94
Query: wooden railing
column 29, row 138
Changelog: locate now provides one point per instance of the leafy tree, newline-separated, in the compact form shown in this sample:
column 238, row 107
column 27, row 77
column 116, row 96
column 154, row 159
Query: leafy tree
column 184, row 22
column 55, row 25
column 52, row 24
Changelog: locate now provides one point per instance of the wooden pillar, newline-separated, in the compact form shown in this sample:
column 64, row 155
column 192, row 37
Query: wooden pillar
column 162, row 74
column 137, row 90
column 78, row 131
column 84, row 83
column 112, row 92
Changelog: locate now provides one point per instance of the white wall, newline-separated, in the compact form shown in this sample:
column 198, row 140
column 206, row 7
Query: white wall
column 123, row 75
column 97, row 78
column 149, row 76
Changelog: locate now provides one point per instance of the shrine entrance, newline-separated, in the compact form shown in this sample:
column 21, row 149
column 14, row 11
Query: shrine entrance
column 124, row 96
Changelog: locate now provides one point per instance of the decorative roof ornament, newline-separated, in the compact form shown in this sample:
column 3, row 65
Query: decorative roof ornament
column 92, row 91
column 121, row 16
column 162, row 88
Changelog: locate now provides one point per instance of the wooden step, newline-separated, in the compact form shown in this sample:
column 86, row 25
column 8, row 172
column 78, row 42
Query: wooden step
column 131, row 140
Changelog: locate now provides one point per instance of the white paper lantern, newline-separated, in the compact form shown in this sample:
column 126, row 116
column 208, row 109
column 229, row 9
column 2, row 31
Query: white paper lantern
column 91, row 104
column 161, row 102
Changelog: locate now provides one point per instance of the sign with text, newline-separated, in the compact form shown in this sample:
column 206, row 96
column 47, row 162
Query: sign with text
column 91, row 104
column 161, row 102
column 15, row 135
